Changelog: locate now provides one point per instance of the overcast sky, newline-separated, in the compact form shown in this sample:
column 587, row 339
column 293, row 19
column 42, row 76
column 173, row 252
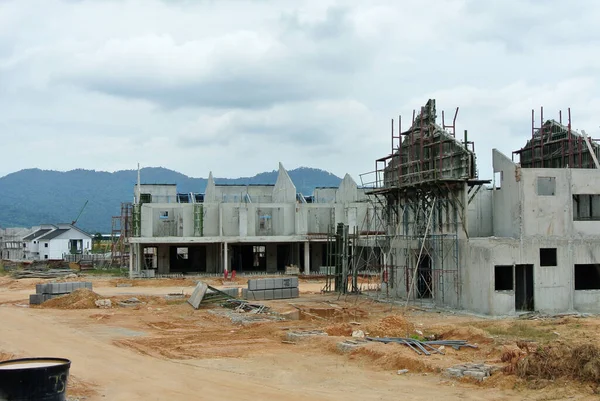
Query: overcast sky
column 237, row 86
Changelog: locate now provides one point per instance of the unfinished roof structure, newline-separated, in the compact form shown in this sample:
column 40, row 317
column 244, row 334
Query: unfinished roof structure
column 428, row 152
column 554, row 145
column 425, row 185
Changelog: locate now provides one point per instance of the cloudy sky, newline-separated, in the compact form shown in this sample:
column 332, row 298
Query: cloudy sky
column 236, row 86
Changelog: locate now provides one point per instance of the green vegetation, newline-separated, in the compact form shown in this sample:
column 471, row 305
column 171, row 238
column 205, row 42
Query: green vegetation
column 2, row 271
column 519, row 330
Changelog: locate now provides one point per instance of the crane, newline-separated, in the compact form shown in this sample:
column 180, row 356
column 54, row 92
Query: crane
column 79, row 215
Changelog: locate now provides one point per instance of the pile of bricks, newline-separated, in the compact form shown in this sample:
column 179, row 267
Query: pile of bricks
column 44, row 292
column 271, row 288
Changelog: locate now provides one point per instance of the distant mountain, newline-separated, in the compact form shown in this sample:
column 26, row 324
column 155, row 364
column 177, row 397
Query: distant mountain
column 32, row 197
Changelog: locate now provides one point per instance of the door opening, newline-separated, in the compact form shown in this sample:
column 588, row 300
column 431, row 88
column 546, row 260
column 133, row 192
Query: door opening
column 424, row 277
column 524, row 288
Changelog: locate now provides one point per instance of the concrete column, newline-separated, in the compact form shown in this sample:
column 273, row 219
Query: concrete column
column 139, row 257
column 225, row 256
column 307, row 257
column 131, row 256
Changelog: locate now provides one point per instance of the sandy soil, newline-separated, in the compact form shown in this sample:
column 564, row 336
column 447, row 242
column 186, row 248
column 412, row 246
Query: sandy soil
column 167, row 350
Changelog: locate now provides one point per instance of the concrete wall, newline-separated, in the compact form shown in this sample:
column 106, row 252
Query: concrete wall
column 347, row 191
column 554, row 288
column 480, row 220
column 507, row 215
column 284, row 190
column 161, row 193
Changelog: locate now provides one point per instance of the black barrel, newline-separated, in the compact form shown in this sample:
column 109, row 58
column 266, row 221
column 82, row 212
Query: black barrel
column 34, row 379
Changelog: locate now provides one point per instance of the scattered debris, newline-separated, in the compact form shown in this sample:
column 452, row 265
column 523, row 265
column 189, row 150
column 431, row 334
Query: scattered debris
column 244, row 306
column 477, row 371
column 204, row 293
column 350, row 345
column 303, row 335
column 174, row 296
column 103, row 303
column 402, row 371
column 131, row 302
column 358, row 333
column 423, row 347
column 45, row 273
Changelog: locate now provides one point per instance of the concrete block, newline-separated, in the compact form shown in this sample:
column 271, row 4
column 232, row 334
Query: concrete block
column 474, row 373
column 252, row 285
column 261, row 284
column 277, row 283
column 257, row 295
column 70, row 287
column 295, row 292
column 269, row 283
column 198, row 295
column 286, row 293
column 88, row 285
column 278, row 294
column 286, row 283
column 36, row 299
column 244, row 293
column 294, row 282
column 268, row 294
column 41, row 288
column 62, row 288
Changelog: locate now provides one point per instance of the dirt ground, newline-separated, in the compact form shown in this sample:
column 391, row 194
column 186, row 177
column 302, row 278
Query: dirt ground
column 164, row 349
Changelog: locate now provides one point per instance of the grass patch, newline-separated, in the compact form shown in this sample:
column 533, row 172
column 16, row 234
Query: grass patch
column 519, row 330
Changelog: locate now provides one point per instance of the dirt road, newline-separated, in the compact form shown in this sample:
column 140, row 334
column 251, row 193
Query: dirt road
column 121, row 374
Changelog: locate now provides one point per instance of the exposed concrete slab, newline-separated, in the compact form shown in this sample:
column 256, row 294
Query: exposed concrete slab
column 198, row 295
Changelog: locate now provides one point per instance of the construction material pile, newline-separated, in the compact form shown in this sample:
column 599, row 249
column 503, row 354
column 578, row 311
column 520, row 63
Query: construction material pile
column 42, row 273
column 45, row 292
column 204, row 293
column 271, row 288
column 424, row 347
column 82, row 298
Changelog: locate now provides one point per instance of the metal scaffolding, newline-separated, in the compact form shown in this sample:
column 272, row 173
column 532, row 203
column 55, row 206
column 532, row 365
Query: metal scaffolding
column 425, row 186
column 554, row 145
column 122, row 227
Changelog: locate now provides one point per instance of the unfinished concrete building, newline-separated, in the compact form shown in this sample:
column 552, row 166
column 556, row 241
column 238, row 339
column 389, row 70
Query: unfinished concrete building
column 11, row 242
column 531, row 241
column 247, row 228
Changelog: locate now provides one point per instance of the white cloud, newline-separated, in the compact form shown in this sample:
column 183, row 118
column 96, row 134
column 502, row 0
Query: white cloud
column 235, row 86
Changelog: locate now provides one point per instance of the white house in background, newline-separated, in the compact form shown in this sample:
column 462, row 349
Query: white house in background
column 31, row 246
column 52, row 242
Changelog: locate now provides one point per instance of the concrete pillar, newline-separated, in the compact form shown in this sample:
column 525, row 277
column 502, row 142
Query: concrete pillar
column 139, row 257
column 307, row 257
column 131, row 256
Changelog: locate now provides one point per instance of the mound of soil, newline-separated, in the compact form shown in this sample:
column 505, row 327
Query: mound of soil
column 82, row 298
column 390, row 326
column 339, row 330
column 467, row 333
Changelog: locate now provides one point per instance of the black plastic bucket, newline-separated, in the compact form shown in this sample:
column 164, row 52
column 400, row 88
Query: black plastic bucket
column 34, row 379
